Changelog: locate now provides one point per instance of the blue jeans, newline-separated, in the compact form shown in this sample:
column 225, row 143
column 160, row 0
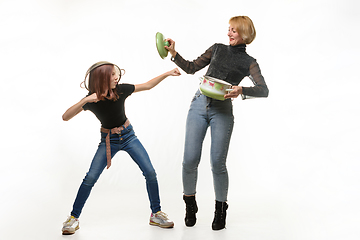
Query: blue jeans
column 205, row 112
column 126, row 141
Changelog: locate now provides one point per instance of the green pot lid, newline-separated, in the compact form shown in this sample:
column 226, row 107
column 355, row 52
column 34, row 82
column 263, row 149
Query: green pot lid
column 160, row 43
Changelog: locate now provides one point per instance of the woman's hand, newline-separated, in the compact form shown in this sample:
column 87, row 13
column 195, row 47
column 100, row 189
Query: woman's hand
column 234, row 93
column 171, row 47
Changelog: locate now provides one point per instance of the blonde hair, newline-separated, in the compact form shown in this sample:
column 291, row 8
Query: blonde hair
column 245, row 27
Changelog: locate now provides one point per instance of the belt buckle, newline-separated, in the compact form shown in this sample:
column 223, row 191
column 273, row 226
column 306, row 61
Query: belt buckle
column 118, row 132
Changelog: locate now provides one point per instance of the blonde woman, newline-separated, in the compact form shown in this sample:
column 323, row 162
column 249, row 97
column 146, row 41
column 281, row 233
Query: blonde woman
column 229, row 63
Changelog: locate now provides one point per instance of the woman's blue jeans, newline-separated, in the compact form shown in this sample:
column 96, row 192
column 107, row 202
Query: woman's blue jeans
column 126, row 141
column 205, row 112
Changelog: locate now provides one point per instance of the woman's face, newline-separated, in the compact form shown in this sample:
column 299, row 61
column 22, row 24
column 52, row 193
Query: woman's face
column 114, row 77
column 234, row 36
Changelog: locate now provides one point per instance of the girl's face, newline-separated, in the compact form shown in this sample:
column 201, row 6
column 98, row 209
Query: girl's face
column 234, row 36
column 114, row 77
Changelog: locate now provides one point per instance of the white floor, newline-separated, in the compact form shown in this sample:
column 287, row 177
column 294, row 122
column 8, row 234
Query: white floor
column 109, row 214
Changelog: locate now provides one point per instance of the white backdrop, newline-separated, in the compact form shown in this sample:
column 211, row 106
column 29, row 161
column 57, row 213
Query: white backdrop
column 294, row 157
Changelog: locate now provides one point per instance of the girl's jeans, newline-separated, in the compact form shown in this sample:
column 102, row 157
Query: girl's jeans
column 126, row 141
column 205, row 112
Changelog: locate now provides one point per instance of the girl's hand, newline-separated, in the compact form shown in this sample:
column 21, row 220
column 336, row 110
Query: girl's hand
column 92, row 98
column 77, row 108
column 174, row 72
column 171, row 47
column 234, row 93
column 156, row 80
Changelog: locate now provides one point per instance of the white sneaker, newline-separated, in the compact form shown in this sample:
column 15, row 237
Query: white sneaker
column 70, row 225
column 160, row 219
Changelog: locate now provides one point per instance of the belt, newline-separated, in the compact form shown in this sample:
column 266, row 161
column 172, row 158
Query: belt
column 116, row 130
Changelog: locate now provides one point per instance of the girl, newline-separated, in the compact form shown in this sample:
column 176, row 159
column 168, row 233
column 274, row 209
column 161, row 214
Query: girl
column 106, row 100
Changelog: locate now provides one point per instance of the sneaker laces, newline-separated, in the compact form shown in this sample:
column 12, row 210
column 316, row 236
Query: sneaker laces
column 69, row 220
column 162, row 215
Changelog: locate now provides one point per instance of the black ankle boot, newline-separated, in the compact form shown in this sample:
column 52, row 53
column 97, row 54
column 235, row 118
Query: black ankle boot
column 220, row 215
column 191, row 210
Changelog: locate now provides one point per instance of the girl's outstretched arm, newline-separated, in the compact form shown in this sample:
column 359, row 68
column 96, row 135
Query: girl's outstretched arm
column 77, row 108
column 155, row 81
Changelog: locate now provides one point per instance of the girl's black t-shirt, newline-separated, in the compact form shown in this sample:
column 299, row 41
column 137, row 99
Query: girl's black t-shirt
column 111, row 113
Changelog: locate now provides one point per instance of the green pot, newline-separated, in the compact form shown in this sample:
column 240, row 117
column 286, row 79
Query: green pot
column 214, row 88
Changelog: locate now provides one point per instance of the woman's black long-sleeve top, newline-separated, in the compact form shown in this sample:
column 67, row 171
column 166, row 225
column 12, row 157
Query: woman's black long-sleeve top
column 228, row 63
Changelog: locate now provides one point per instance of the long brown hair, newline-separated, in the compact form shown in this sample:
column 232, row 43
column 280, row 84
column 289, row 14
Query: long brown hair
column 99, row 80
